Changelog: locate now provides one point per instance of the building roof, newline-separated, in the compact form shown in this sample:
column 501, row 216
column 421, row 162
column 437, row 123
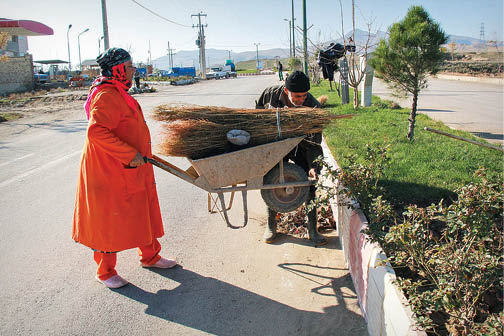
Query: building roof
column 90, row 63
column 24, row 28
column 51, row 62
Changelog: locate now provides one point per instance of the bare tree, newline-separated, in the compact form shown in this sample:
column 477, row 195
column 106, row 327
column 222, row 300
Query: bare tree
column 357, row 56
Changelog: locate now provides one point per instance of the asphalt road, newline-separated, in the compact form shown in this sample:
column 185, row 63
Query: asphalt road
column 475, row 107
column 229, row 281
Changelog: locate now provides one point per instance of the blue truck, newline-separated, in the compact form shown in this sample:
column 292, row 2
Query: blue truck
column 182, row 71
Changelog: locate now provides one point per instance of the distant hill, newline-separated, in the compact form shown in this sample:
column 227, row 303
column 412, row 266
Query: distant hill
column 216, row 57
column 219, row 57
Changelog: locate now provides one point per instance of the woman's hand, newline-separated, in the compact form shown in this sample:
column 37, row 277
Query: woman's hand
column 313, row 174
column 137, row 161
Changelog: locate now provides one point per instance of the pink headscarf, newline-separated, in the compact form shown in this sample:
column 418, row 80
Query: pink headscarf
column 119, row 81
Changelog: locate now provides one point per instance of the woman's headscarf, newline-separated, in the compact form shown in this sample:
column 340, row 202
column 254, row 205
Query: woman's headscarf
column 113, row 68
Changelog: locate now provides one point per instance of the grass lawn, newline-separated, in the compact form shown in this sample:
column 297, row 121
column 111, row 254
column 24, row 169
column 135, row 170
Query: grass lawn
column 6, row 116
column 420, row 172
column 250, row 66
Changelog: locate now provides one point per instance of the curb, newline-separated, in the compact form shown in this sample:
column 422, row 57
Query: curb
column 383, row 305
column 498, row 81
column 256, row 74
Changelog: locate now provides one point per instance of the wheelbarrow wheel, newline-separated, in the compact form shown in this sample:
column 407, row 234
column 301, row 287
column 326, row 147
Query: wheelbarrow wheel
column 285, row 199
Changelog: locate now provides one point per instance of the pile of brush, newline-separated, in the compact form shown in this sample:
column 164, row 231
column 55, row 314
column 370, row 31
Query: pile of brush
column 200, row 131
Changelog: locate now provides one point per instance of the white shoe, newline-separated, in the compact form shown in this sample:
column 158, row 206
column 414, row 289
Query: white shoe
column 162, row 263
column 115, row 281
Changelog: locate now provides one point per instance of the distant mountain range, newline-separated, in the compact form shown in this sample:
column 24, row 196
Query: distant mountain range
column 218, row 57
column 215, row 57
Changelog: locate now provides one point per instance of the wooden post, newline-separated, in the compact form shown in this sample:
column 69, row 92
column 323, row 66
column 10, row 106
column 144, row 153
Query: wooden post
column 463, row 139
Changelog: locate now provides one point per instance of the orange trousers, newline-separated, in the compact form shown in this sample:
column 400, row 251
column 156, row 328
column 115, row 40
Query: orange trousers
column 106, row 262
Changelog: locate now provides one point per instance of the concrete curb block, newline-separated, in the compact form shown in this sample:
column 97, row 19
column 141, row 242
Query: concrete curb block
column 256, row 74
column 383, row 305
column 183, row 82
column 498, row 81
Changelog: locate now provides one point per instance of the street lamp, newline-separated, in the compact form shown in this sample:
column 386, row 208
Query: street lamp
column 257, row 51
column 99, row 44
column 290, row 37
column 78, row 42
column 68, row 43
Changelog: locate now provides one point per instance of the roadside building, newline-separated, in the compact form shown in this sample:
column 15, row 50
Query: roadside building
column 91, row 68
column 16, row 64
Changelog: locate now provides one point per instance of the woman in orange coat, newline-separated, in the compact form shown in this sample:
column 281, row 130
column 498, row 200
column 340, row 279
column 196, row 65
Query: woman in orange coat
column 117, row 207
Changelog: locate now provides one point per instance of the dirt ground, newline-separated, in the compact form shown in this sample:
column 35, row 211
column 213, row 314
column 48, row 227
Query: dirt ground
column 52, row 107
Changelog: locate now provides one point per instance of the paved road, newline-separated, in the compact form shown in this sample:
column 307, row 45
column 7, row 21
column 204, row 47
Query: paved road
column 229, row 282
column 470, row 106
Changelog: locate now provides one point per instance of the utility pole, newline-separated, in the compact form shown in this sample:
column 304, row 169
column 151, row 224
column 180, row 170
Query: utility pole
column 68, row 44
column 150, row 56
column 170, row 55
column 293, row 37
column 229, row 53
column 257, row 53
column 305, row 44
column 290, row 37
column 105, row 24
column 200, row 42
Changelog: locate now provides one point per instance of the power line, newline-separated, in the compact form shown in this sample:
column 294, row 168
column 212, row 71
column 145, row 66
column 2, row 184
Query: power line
column 162, row 17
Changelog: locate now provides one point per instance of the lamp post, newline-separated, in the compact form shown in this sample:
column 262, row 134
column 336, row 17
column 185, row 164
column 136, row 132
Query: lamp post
column 293, row 37
column 257, row 53
column 78, row 42
column 99, row 44
column 290, row 38
column 68, row 44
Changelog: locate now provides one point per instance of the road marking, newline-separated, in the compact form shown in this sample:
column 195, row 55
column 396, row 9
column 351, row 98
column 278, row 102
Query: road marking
column 19, row 158
column 38, row 169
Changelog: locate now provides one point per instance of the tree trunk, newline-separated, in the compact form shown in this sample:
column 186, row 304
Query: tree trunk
column 412, row 117
column 356, row 97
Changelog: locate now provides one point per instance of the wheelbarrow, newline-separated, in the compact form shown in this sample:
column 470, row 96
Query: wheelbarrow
column 284, row 186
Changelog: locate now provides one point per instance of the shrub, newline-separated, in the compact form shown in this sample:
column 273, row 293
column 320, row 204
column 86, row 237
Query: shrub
column 448, row 257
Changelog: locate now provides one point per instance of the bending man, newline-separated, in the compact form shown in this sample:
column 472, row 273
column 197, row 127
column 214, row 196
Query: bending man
column 295, row 94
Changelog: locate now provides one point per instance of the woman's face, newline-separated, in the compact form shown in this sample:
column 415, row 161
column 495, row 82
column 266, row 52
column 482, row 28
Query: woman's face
column 130, row 70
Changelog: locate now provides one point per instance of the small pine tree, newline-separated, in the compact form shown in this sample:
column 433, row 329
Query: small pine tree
column 411, row 53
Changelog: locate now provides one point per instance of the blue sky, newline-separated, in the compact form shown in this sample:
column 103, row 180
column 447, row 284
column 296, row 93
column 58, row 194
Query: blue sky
column 232, row 25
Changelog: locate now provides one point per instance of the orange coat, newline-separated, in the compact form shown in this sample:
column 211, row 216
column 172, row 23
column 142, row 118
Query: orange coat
column 116, row 207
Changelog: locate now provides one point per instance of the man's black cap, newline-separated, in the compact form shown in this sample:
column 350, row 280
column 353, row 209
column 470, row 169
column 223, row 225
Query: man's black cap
column 297, row 82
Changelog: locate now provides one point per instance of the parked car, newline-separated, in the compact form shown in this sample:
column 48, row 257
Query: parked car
column 217, row 73
column 41, row 77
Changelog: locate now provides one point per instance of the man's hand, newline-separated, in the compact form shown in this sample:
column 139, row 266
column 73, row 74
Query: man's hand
column 313, row 174
column 137, row 161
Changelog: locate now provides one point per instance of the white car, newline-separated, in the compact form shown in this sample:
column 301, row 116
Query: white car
column 217, row 73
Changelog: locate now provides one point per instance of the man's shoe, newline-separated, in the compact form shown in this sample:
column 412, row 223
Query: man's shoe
column 313, row 234
column 317, row 239
column 162, row 263
column 269, row 236
column 270, row 233
column 115, row 281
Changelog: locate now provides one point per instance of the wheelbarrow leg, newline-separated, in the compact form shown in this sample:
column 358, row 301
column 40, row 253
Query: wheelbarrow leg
column 212, row 207
column 224, row 210
column 245, row 210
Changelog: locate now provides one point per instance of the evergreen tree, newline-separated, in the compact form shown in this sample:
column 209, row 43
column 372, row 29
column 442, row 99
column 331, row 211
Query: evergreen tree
column 411, row 53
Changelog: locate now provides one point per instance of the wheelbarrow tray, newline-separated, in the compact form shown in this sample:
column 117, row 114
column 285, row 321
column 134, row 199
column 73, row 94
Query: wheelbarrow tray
column 243, row 165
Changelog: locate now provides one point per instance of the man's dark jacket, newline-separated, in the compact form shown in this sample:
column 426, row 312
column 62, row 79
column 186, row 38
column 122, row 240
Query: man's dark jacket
column 307, row 150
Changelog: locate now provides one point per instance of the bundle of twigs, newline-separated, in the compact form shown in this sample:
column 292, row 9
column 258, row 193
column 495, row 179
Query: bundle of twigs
column 200, row 131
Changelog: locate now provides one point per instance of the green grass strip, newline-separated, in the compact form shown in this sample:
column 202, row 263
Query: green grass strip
column 421, row 172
